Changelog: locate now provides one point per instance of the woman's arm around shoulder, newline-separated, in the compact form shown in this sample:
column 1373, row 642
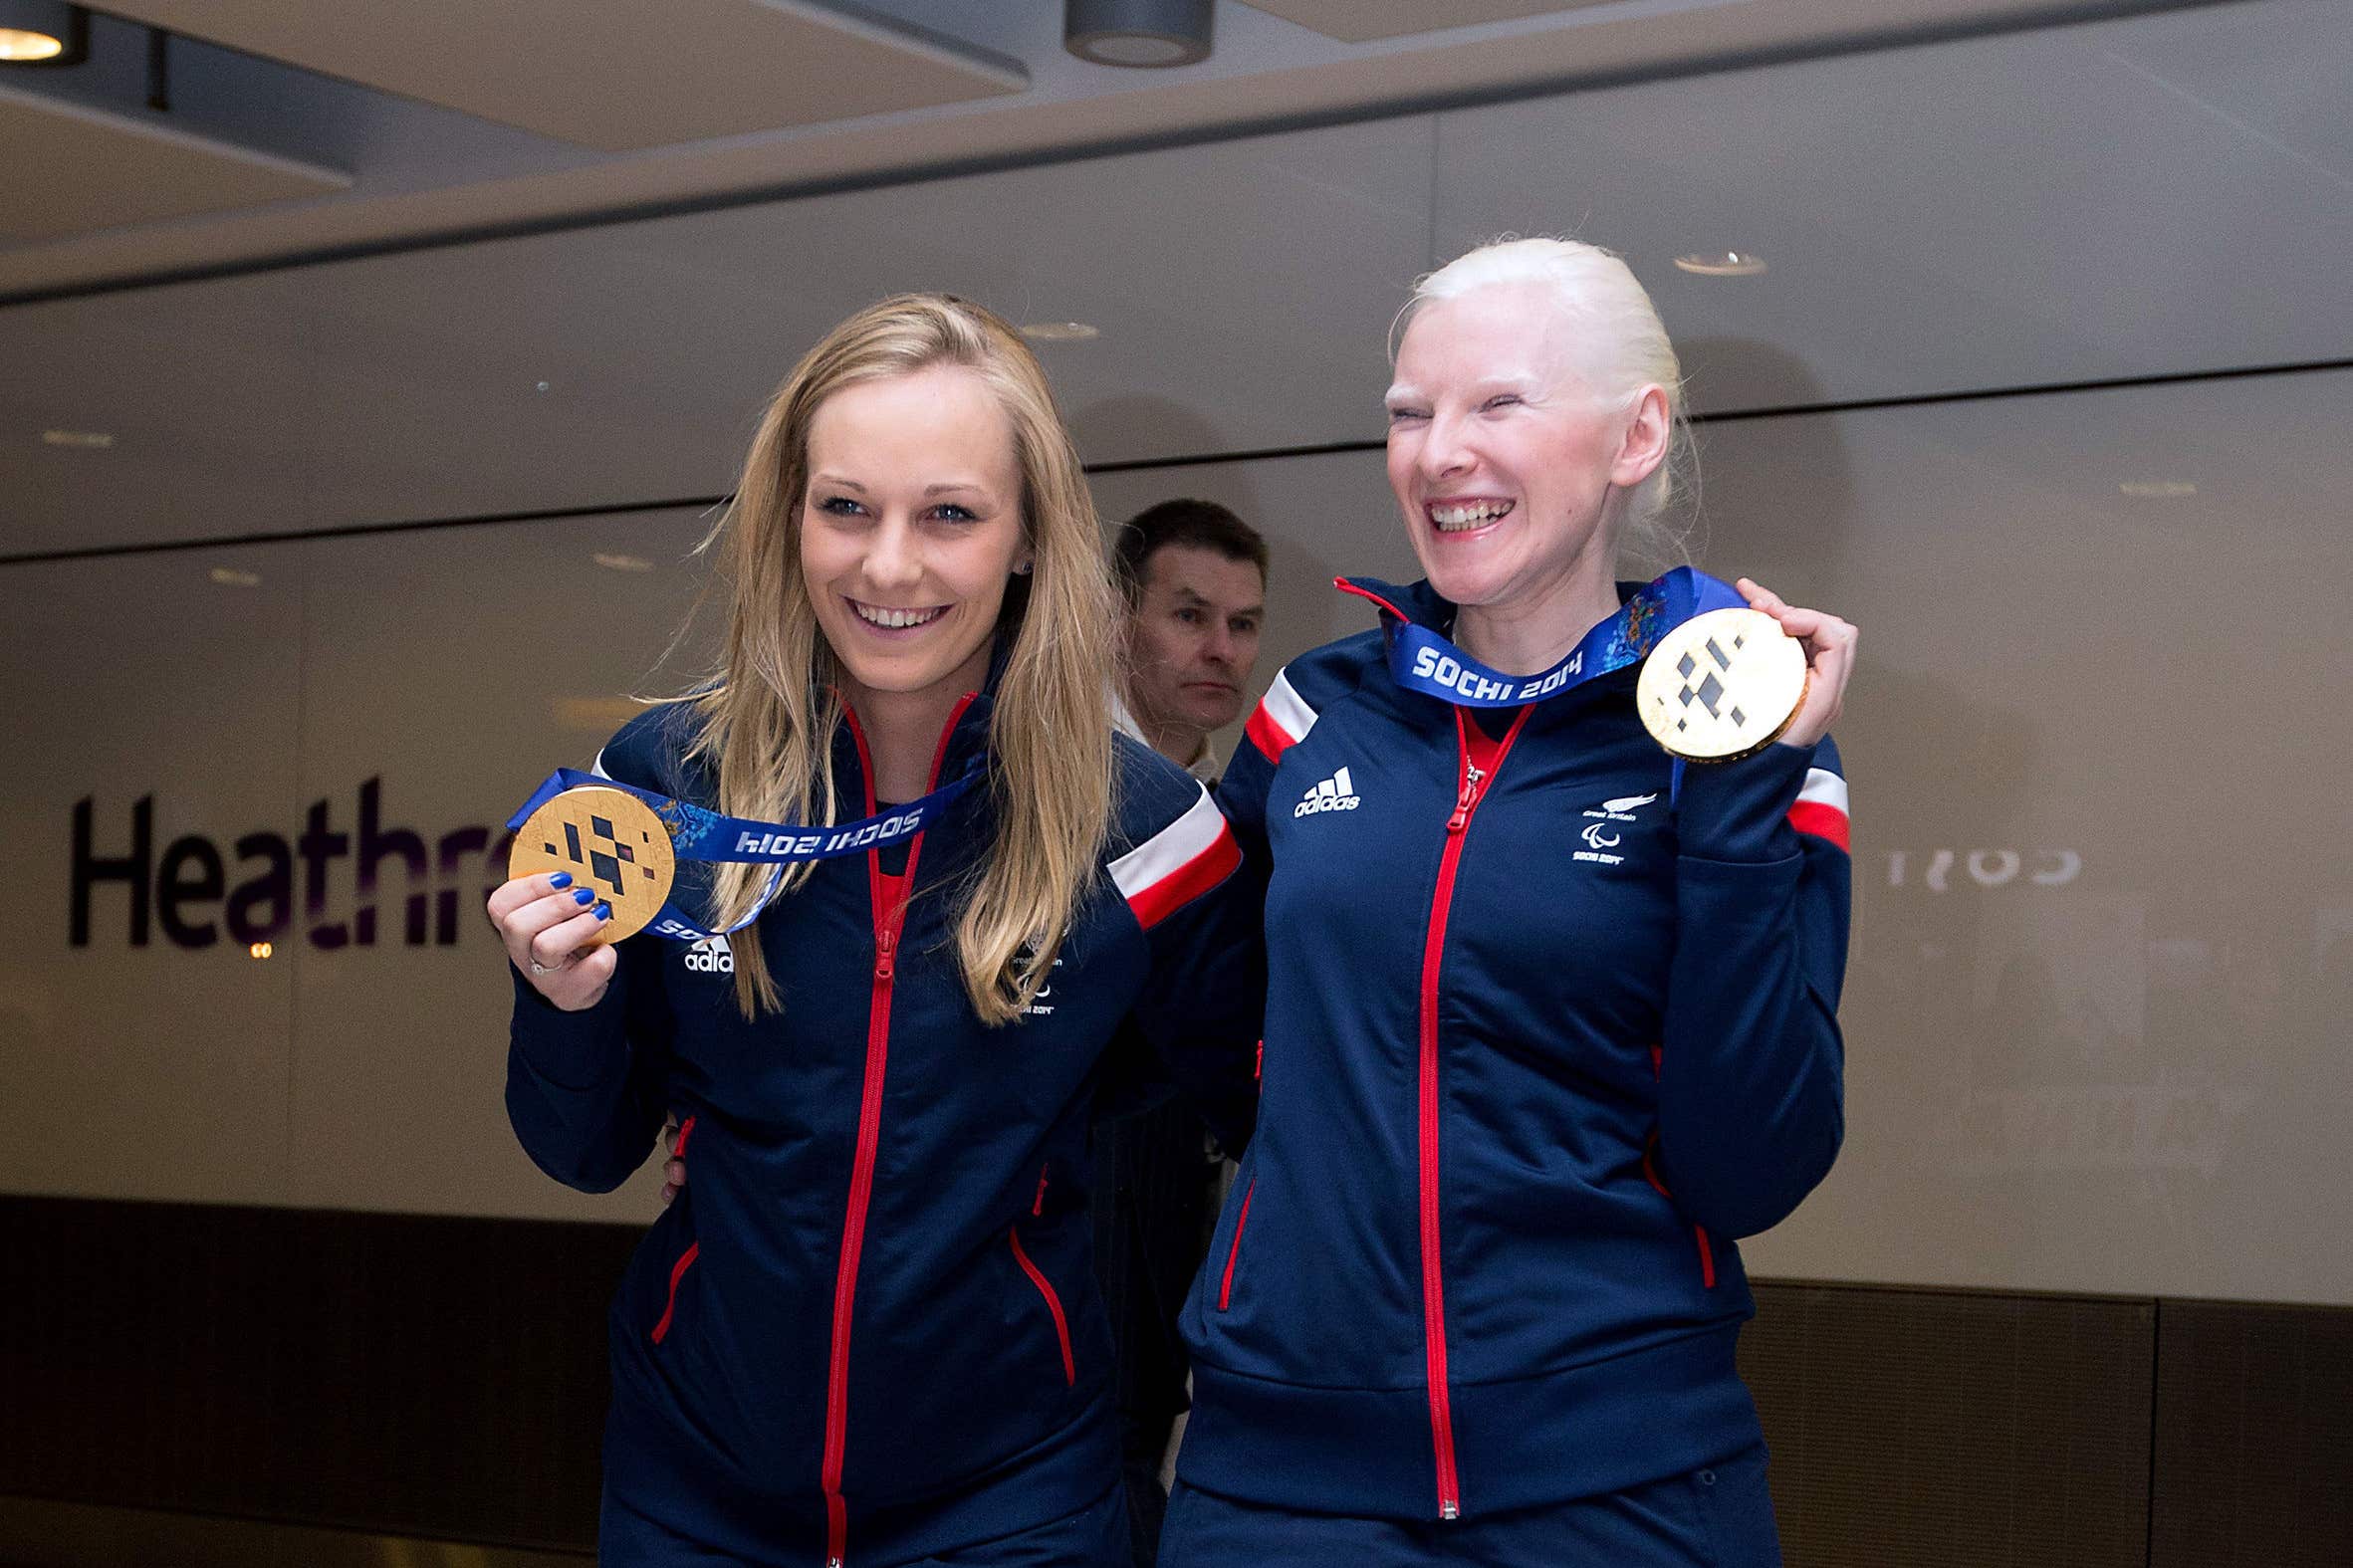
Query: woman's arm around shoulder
column 1176, row 864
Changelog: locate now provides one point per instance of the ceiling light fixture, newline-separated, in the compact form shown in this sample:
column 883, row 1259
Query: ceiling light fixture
column 2157, row 488
column 611, row 561
column 87, row 441
column 1059, row 331
column 1722, row 264
column 1151, row 33
column 43, row 32
column 231, row 577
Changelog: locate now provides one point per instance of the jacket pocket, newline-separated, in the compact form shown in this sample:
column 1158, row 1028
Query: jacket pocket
column 1234, row 1248
column 1650, row 1172
column 1054, row 1303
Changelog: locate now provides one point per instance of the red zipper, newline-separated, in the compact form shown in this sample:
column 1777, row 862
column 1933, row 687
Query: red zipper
column 1225, row 1286
column 685, row 1259
column 677, row 1272
column 1054, row 1305
column 1479, row 760
column 889, row 897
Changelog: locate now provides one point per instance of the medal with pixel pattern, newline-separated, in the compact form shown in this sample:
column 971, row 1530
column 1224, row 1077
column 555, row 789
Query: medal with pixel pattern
column 1722, row 685
column 611, row 842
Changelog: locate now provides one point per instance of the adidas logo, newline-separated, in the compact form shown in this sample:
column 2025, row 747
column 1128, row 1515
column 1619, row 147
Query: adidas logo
column 1337, row 794
column 714, row 956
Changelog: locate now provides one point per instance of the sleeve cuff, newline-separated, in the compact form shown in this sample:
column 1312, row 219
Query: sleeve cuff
column 1740, row 812
column 569, row 1050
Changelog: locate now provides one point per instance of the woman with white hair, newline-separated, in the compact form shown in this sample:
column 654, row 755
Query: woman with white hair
column 1551, row 1016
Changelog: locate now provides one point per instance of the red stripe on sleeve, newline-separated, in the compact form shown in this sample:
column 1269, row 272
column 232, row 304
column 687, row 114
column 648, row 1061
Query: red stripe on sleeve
column 1189, row 881
column 1823, row 821
column 1265, row 733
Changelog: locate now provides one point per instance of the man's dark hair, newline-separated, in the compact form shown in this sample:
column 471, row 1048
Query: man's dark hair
column 1202, row 524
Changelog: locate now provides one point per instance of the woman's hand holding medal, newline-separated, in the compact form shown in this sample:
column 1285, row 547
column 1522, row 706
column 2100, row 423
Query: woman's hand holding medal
column 550, row 929
column 1829, row 645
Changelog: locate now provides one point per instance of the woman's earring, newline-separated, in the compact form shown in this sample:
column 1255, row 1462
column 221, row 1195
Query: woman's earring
column 1022, row 568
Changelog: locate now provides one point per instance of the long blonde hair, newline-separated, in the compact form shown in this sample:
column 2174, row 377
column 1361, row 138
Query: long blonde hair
column 768, row 721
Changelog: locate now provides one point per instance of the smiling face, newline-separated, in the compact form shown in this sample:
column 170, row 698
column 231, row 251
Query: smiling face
column 910, row 527
column 1505, row 460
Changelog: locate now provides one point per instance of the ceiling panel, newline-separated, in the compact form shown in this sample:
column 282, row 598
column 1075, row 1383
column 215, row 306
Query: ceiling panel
column 1239, row 291
column 1356, row 21
column 2157, row 196
column 616, row 75
column 71, row 168
column 2142, row 198
column 425, row 171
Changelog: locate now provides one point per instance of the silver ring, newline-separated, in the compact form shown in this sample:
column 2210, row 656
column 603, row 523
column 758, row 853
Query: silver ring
column 536, row 968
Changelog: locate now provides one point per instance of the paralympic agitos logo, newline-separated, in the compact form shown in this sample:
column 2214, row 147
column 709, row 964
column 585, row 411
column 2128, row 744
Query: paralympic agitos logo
column 187, row 890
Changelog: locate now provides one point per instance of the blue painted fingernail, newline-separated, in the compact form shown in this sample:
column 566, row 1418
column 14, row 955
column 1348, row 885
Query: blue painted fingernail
column 561, row 879
column 583, row 896
column 603, row 911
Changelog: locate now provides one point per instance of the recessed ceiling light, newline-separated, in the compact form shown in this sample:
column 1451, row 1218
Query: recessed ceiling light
column 1152, row 33
column 1059, row 331
column 87, row 441
column 1721, row 264
column 43, row 32
column 231, row 577
column 613, row 563
column 2157, row 488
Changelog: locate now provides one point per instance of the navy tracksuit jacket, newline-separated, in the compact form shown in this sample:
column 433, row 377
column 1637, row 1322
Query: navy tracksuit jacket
column 1549, row 1022
column 868, row 1330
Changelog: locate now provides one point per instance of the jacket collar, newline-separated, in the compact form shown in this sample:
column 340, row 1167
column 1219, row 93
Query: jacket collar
column 967, row 735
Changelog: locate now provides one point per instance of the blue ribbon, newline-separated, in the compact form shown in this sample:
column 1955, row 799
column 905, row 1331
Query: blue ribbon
column 697, row 834
column 1421, row 660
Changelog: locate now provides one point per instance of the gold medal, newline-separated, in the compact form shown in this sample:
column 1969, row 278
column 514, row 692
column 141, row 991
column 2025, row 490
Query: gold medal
column 1722, row 685
column 611, row 842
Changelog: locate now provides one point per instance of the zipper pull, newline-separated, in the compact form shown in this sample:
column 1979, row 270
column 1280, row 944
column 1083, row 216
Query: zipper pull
column 1463, row 799
column 886, row 942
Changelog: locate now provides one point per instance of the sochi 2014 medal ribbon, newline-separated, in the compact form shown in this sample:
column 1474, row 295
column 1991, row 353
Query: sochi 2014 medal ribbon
column 1736, row 696
column 625, row 845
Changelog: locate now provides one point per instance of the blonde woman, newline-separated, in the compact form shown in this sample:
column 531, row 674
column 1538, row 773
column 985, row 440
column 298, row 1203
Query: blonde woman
column 867, row 1333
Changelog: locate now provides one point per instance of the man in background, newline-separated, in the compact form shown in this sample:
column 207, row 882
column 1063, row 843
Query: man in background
column 1193, row 577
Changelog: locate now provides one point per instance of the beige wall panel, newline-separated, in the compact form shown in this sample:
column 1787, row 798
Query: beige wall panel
column 149, row 1069
column 202, row 393
column 2103, row 951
